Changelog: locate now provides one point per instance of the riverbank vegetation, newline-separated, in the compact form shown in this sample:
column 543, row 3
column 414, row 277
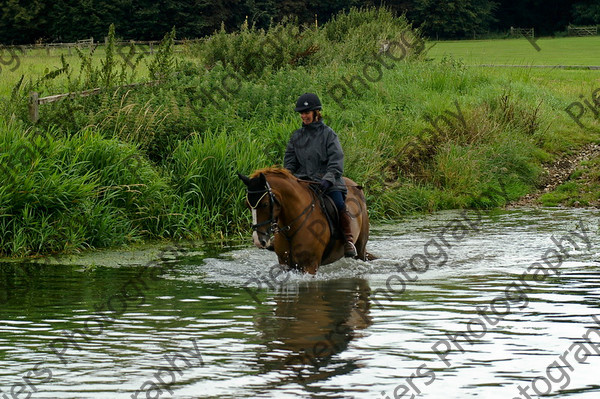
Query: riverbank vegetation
column 160, row 160
column 581, row 189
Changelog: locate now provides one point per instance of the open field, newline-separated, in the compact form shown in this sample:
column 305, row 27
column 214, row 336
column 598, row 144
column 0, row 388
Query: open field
column 33, row 63
column 572, row 51
column 520, row 51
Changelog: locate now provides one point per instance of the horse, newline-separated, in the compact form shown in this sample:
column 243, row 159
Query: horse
column 310, row 324
column 289, row 209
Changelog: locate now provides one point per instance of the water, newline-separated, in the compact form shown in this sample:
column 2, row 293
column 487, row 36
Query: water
column 353, row 331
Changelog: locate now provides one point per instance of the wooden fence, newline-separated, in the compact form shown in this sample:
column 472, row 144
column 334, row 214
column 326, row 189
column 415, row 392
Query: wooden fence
column 35, row 101
column 23, row 48
column 527, row 32
column 582, row 30
column 89, row 43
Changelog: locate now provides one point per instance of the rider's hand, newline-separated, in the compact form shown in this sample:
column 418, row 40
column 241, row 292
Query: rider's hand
column 324, row 185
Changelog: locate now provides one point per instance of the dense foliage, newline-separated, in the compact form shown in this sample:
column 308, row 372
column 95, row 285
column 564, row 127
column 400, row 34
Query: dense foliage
column 160, row 161
column 29, row 21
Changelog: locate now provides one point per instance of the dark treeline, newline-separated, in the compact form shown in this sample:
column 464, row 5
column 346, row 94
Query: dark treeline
column 30, row 21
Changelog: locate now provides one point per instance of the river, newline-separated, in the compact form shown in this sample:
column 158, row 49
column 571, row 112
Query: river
column 458, row 305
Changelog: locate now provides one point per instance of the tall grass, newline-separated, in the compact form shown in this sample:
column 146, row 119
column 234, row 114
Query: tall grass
column 161, row 161
column 76, row 192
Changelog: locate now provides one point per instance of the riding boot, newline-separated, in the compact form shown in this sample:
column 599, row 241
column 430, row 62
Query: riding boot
column 349, row 248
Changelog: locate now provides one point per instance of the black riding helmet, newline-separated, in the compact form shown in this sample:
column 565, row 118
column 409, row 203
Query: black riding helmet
column 308, row 102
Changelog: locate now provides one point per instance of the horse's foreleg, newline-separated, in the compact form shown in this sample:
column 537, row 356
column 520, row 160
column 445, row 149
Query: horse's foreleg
column 310, row 264
column 312, row 269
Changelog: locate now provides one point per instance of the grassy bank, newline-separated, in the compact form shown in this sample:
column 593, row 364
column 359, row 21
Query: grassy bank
column 161, row 161
column 582, row 189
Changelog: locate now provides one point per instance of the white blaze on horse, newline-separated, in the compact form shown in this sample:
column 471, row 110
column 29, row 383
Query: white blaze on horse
column 287, row 217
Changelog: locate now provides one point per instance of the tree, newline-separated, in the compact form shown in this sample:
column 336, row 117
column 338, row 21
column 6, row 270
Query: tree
column 453, row 19
column 586, row 12
column 261, row 12
column 546, row 16
column 22, row 21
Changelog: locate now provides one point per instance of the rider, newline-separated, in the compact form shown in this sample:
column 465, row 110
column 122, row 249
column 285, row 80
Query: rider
column 314, row 152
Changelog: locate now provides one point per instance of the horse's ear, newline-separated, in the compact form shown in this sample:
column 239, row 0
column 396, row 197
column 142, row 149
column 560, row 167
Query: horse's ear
column 263, row 178
column 243, row 178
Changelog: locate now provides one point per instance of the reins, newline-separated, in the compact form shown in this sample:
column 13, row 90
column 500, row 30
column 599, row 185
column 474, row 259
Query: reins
column 274, row 227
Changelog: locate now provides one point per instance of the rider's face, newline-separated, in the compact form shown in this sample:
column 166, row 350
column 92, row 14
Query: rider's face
column 307, row 117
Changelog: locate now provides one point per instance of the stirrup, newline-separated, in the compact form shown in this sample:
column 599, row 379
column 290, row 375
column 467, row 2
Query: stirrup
column 349, row 250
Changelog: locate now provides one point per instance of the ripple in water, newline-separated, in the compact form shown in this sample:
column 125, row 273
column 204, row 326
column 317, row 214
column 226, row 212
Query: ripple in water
column 353, row 331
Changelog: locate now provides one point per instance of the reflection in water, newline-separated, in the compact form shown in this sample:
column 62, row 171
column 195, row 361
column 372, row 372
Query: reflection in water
column 340, row 334
column 312, row 323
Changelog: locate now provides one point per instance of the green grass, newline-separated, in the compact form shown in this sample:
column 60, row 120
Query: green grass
column 161, row 162
column 74, row 192
column 582, row 188
column 519, row 51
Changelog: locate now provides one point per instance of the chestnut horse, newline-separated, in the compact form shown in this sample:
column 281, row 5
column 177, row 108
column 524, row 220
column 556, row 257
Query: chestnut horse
column 288, row 208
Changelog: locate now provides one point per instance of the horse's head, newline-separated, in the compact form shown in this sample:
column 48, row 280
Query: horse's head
column 265, row 209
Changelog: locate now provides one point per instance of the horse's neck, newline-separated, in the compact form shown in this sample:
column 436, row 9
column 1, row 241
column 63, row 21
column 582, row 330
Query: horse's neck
column 294, row 197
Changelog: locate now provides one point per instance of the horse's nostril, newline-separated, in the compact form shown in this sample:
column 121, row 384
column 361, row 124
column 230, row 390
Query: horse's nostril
column 263, row 242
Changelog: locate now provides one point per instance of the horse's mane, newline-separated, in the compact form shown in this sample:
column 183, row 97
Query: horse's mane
column 273, row 171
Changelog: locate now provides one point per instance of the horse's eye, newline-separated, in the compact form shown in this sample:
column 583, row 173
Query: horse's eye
column 262, row 205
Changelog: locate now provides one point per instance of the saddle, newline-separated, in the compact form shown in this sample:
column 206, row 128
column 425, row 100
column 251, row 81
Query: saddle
column 333, row 219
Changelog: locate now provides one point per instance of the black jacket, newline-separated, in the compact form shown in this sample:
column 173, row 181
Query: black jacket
column 314, row 153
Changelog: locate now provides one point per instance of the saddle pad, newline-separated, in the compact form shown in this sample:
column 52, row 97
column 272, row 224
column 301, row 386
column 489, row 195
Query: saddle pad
column 332, row 213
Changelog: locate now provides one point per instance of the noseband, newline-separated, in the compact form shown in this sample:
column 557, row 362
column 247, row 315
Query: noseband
column 273, row 228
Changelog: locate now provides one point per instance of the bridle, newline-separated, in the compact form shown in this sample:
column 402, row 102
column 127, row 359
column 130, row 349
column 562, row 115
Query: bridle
column 272, row 222
column 274, row 227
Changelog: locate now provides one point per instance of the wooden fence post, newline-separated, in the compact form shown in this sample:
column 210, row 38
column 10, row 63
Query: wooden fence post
column 34, row 106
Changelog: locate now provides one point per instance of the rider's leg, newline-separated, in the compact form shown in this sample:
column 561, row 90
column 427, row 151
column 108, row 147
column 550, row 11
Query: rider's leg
column 338, row 199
